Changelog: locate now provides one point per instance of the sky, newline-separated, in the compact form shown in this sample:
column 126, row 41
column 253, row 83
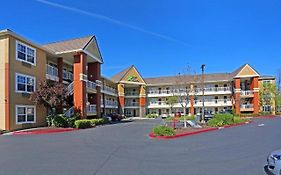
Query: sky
column 159, row 37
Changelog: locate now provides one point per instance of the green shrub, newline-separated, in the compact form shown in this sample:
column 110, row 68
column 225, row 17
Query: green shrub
column 187, row 117
column 71, row 121
column 49, row 120
column 83, row 124
column 151, row 115
column 215, row 122
column 163, row 131
column 99, row 121
column 240, row 120
column 60, row 121
column 227, row 119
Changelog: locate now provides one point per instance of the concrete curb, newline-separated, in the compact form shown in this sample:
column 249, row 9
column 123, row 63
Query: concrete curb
column 40, row 131
column 151, row 134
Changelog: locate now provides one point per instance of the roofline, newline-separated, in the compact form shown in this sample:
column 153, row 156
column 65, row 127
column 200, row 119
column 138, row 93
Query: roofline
column 10, row 32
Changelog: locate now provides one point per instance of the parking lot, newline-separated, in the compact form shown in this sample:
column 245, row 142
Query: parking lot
column 125, row 148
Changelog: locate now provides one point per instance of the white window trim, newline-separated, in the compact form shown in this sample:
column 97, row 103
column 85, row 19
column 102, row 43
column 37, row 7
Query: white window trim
column 16, row 83
column 26, row 46
column 25, row 106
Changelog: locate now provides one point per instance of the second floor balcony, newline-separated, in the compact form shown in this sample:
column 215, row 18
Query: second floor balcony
column 91, row 86
column 247, row 93
column 52, row 73
column 108, row 90
column 109, row 104
column 131, row 104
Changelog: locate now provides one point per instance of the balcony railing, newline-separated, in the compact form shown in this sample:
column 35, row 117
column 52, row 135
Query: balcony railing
column 247, row 92
column 53, row 71
column 246, row 106
column 109, row 103
column 67, row 75
column 91, row 85
column 91, row 109
column 131, row 93
column 132, row 104
column 107, row 89
column 213, row 89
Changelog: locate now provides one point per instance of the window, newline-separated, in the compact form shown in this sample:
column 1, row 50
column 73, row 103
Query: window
column 25, row 53
column 25, row 83
column 25, row 114
column 266, row 108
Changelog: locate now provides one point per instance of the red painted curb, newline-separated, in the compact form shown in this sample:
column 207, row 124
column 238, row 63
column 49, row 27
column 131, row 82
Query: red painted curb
column 151, row 134
column 43, row 131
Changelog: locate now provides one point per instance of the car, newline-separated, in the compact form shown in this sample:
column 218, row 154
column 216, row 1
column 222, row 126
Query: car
column 164, row 116
column 115, row 117
column 274, row 162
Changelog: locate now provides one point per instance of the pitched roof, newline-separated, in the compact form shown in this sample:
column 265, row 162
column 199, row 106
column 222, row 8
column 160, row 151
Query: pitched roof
column 118, row 77
column 189, row 78
column 69, row 45
column 234, row 73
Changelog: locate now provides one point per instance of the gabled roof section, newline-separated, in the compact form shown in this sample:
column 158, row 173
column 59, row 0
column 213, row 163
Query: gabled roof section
column 129, row 75
column 68, row 45
column 86, row 44
column 245, row 71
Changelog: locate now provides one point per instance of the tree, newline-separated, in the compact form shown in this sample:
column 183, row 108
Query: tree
column 50, row 94
column 279, row 80
column 183, row 88
column 269, row 94
column 171, row 101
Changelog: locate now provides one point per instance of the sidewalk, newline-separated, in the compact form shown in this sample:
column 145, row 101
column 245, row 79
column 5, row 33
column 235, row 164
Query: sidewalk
column 41, row 130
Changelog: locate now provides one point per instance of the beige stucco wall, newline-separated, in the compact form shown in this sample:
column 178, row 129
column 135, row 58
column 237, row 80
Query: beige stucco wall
column 38, row 71
column 3, row 61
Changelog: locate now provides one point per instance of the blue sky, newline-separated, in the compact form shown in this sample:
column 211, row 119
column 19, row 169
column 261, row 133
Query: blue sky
column 160, row 37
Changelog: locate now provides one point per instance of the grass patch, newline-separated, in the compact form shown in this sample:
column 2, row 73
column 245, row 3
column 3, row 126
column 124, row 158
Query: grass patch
column 220, row 120
column 169, row 119
column 163, row 131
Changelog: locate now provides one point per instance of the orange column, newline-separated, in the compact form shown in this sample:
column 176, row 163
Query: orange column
column 255, row 85
column 94, row 74
column 191, row 105
column 237, row 95
column 79, row 85
column 120, row 88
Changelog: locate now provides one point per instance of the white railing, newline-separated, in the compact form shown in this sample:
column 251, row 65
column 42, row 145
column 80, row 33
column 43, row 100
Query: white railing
column 109, row 103
column 213, row 89
column 212, row 101
column 69, row 112
column 132, row 104
column 132, row 93
column 246, row 106
column 91, row 85
column 67, row 75
column 91, row 108
column 70, row 88
column 53, row 71
column 109, row 89
column 246, row 93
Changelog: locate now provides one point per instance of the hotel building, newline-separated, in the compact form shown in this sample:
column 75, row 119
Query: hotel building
column 77, row 64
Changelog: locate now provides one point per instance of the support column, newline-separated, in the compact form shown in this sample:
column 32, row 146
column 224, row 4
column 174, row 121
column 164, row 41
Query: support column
column 120, row 88
column 60, row 75
column 237, row 95
column 191, row 97
column 60, row 69
column 142, row 101
column 79, row 84
column 94, row 74
column 255, row 85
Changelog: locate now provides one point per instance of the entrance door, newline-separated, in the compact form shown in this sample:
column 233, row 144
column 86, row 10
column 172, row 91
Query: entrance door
column 134, row 113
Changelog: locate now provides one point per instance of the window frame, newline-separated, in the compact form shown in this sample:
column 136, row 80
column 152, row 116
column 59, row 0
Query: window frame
column 26, row 76
column 26, row 47
column 25, row 106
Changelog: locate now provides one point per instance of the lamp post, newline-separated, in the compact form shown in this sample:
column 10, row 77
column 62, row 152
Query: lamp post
column 203, row 94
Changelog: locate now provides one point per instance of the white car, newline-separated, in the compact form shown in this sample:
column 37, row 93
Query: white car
column 274, row 162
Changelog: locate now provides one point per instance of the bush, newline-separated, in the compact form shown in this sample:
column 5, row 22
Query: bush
column 187, row 117
column 225, row 119
column 60, row 121
column 99, row 121
column 71, row 121
column 163, row 131
column 151, row 115
column 49, row 120
column 83, row 124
